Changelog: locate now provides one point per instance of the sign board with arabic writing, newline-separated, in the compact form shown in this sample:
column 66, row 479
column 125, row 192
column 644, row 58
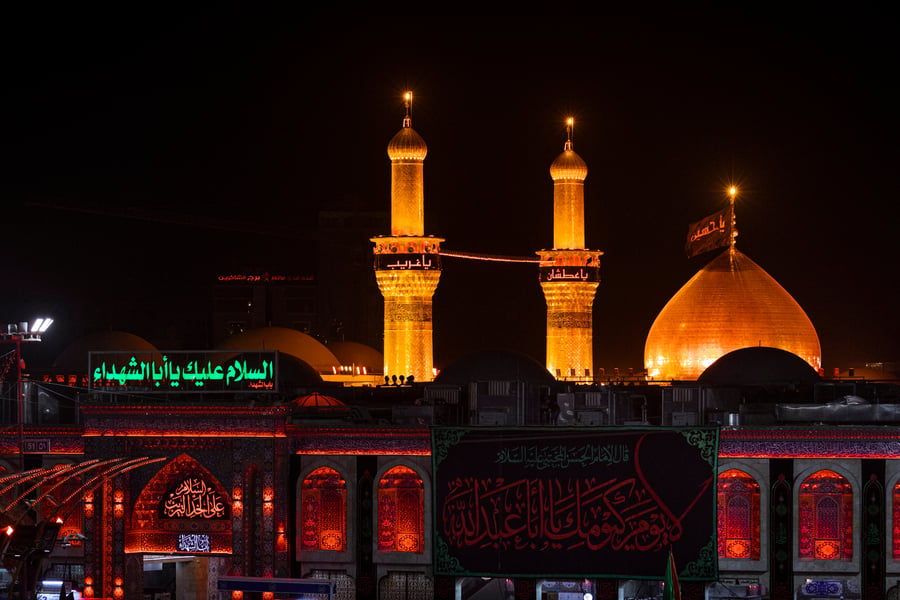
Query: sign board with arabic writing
column 408, row 262
column 194, row 498
column 196, row 543
column 184, row 371
column 575, row 502
column 573, row 274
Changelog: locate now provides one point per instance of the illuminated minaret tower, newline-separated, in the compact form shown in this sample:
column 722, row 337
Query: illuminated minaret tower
column 407, row 262
column 569, row 273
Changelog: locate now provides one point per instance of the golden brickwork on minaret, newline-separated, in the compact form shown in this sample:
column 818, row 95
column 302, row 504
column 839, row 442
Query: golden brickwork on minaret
column 407, row 193
column 568, row 215
column 570, row 338
column 408, row 344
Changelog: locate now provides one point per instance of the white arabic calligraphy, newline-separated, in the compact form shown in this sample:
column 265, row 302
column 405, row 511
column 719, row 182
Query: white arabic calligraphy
column 194, row 499
column 193, row 542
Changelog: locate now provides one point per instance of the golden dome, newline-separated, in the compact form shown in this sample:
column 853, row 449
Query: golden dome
column 287, row 341
column 407, row 145
column 568, row 165
column 731, row 303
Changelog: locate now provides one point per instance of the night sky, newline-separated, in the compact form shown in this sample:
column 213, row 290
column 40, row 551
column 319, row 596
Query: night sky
column 210, row 139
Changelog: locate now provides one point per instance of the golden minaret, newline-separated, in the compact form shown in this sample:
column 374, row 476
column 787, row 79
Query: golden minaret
column 569, row 273
column 407, row 262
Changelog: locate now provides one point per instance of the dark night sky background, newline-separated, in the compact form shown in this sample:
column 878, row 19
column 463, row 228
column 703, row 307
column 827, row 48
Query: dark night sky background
column 257, row 117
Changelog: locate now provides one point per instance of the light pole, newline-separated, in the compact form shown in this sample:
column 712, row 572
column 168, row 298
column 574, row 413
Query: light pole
column 16, row 334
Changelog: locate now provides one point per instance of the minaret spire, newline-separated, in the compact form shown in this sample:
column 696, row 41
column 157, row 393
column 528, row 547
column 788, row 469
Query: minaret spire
column 732, row 193
column 570, row 126
column 407, row 120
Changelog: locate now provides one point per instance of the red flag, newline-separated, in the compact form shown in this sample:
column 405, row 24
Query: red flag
column 671, row 587
column 709, row 233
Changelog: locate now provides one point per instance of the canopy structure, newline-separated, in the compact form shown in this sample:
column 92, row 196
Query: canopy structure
column 316, row 402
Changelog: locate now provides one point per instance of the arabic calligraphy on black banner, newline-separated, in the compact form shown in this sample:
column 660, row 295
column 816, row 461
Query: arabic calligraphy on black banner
column 574, row 502
column 408, row 262
column 570, row 274
column 709, row 233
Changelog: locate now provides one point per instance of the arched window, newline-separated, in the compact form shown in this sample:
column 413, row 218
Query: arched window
column 323, row 509
column 826, row 517
column 401, row 511
column 738, row 515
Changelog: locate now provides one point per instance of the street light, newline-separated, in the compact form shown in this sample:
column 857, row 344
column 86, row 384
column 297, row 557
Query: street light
column 16, row 333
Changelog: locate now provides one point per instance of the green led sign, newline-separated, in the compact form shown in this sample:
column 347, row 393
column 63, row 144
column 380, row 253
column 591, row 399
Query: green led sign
column 184, row 371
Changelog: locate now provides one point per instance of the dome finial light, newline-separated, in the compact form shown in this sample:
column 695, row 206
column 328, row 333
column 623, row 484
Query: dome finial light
column 570, row 126
column 407, row 120
column 732, row 194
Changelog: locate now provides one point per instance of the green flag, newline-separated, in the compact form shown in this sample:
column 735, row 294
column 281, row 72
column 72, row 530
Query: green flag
column 671, row 587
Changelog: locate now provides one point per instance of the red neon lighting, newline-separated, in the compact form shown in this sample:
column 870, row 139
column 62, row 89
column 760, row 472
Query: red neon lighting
column 365, row 452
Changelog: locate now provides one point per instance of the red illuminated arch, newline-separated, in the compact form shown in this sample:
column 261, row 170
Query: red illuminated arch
column 738, row 515
column 826, row 517
column 323, row 511
column 150, row 531
column 401, row 508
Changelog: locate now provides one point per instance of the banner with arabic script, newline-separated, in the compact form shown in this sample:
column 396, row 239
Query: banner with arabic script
column 184, row 371
column 709, row 233
column 579, row 502
column 194, row 498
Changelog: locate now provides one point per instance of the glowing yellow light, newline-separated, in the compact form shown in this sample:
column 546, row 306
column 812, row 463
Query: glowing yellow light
column 570, row 121
column 732, row 191
column 407, row 96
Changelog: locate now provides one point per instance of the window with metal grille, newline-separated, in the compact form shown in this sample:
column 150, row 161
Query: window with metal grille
column 323, row 508
column 738, row 515
column 401, row 511
column 825, row 529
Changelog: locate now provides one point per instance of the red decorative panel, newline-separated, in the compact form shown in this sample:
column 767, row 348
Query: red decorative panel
column 401, row 506
column 151, row 531
column 738, row 516
column 826, row 517
column 895, row 509
column 323, row 507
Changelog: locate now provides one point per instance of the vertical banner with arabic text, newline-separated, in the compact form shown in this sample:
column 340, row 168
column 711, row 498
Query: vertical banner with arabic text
column 556, row 501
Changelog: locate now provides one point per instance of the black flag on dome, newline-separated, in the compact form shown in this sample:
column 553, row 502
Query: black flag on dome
column 709, row 233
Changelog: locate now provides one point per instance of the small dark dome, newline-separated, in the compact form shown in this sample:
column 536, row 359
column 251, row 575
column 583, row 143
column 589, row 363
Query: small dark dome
column 502, row 365
column 759, row 365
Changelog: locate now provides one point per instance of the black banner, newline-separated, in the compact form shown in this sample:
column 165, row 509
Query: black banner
column 591, row 274
column 575, row 502
column 408, row 262
column 709, row 233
